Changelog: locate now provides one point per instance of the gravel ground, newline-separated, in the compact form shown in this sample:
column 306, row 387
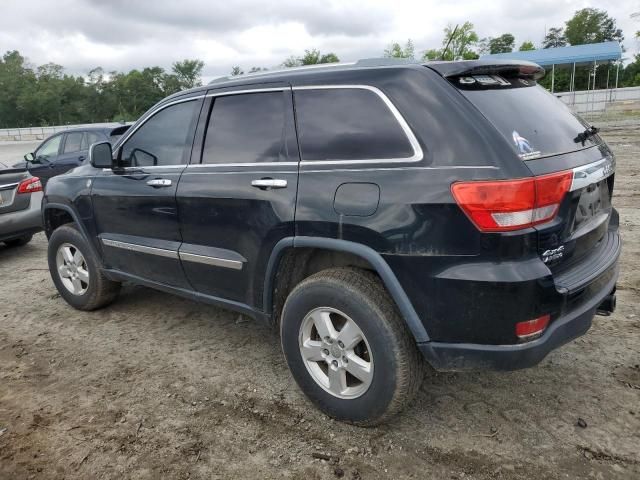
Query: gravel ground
column 155, row 386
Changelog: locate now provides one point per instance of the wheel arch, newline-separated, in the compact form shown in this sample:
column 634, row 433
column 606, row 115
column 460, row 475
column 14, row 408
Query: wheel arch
column 54, row 216
column 367, row 255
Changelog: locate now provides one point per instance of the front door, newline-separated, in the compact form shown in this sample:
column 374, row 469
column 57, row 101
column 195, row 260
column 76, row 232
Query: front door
column 45, row 158
column 237, row 198
column 135, row 204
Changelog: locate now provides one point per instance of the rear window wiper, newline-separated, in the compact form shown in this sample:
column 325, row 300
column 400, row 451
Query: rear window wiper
column 583, row 136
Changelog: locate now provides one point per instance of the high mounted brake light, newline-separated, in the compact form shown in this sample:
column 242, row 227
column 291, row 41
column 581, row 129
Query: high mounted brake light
column 30, row 185
column 505, row 205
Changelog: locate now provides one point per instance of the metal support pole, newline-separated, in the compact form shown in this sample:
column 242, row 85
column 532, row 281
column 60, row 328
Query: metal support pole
column 553, row 77
column 573, row 83
column 617, row 71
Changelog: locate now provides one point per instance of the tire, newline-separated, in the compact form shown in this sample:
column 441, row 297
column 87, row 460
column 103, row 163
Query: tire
column 18, row 242
column 92, row 290
column 388, row 366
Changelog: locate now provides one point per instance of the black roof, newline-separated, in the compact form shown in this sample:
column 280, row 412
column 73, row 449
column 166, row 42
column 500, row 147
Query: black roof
column 320, row 72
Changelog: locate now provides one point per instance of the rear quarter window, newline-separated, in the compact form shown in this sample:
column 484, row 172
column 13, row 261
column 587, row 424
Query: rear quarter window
column 533, row 121
column 348, row 124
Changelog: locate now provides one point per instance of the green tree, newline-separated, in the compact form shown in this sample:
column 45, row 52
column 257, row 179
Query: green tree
column 292, row 61
column 188, row 73
column 458, row 44
column 310, row 57
column 502, row 44
column 526, row 46
column 554, row 38
column 591, row 25
column 630, row 75
column 236, row 70
column 395, row 50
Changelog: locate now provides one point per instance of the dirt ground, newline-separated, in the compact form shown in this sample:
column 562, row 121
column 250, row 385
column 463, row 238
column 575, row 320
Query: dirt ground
column 157, row 387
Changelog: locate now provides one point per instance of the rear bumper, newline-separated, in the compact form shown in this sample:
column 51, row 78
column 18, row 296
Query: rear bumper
column 23, row 222
column 469, row 356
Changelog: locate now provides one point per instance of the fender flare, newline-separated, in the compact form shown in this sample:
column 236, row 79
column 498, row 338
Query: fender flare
column 76, row 220
column 367, row 253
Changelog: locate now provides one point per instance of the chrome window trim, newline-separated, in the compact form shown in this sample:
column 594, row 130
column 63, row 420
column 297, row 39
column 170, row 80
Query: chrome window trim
column 207, row 260
column 417, row 156
column 593, row 172
column 247, row 164
column 365, row 169
column 134, row 247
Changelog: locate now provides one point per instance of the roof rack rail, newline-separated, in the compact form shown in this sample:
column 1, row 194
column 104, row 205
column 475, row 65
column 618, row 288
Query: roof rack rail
column 365, row 62
column 281, row 70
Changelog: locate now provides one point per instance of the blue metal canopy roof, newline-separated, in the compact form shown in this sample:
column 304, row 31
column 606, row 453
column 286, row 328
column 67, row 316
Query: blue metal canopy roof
column 598, row 52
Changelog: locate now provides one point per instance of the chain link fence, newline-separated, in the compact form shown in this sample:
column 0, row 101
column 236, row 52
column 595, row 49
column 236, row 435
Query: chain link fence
column 612, row 107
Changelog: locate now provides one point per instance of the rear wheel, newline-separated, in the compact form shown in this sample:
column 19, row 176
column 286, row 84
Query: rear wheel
column 347, row 347
column 76, row 272
column 18, row 242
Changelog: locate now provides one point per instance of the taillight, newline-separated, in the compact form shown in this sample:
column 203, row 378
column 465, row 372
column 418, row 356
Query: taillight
column 504, row 205
column 30, row 185
column 532, row 328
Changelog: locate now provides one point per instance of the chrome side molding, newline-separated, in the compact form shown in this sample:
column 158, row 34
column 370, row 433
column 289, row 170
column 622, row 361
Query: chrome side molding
column 176, row 255
column 215, row 261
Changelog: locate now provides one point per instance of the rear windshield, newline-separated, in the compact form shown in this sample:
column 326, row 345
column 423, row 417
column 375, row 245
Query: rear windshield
column 533, row 121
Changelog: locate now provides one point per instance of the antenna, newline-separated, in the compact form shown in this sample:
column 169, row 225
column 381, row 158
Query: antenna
column 449, row 42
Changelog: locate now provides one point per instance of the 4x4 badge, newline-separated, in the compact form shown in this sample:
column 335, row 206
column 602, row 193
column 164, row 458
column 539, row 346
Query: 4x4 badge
column 553, row 254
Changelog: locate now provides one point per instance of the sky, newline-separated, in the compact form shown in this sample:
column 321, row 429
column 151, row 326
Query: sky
column 122, row 35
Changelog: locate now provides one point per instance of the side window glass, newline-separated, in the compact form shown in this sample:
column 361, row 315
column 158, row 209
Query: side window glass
column 250, row 128
column 73, row 142
column 348, row 124
column 89, row 139
column 50, row 148
column 164, row 139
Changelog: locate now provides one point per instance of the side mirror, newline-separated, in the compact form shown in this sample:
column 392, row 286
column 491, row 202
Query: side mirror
column 100, row 155
column 29, row 157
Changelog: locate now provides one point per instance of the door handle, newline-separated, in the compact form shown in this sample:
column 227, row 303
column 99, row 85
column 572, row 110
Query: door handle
column 267, row 183
column 81, row 158
column 159, row 182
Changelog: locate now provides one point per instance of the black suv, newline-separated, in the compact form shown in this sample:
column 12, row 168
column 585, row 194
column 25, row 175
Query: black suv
column 372, row 211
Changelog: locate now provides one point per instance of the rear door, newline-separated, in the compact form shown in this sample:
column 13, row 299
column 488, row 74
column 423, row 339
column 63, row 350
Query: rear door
column 72, row 153
column 237, row 198
column 134, row 205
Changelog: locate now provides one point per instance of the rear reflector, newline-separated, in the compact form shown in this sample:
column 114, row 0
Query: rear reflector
column 30, row 185
column 504, row 205
column 532, row 328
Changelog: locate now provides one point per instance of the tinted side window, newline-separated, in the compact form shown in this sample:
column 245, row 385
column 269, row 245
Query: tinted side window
column 248, row 128
column 73, row 142
column 163, row 140
column 348, row 124
column 89, row 139
column 50, row 147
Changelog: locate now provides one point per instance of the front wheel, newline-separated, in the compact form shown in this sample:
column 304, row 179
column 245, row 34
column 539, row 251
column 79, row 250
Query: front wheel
column 347, row 347
column 76, row 272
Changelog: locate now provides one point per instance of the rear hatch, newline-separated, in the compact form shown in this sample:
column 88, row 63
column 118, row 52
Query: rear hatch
column 548, row 137
column 10, row 178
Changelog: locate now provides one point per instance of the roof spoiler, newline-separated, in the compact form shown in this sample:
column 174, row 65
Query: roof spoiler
column 119, row 130
column 506, row 68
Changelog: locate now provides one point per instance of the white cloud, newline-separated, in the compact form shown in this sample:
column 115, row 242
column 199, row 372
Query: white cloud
column 120, row 35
